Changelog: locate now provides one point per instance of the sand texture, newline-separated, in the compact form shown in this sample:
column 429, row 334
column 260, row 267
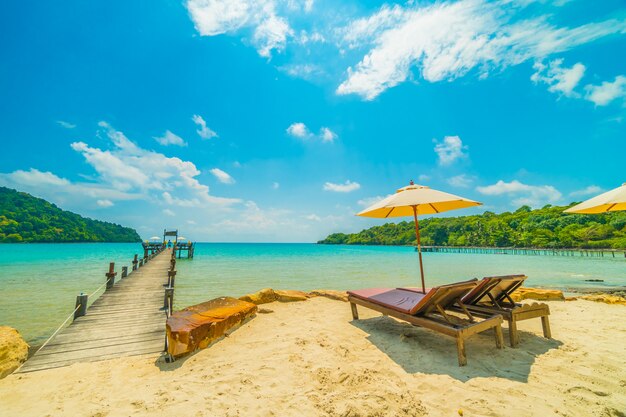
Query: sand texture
column 310, row 359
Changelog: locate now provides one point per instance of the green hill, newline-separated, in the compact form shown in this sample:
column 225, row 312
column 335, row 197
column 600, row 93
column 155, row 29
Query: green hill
column 547, row 227
column 24, row 218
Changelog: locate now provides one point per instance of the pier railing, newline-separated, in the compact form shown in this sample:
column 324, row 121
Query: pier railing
column 526, row 251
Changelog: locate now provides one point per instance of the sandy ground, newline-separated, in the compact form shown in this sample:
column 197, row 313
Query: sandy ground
column 310, row 359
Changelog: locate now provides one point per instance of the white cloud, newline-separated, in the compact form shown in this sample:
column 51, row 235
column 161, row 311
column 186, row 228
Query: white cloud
column 423, row 178
column 105, row 203
column 298, row 130
column 368, row 201
column 444, row 41
column 36, row 177
column 605, row 93
column 559, row 79
column 346, row 187
column 169, row 212
column 204, row 131
column 461, row 181
column 308, row 5
column 531, row 195
column 170, row 138
column 222, row 176
column 590, row 190
column 327, row 135
column 216, row 17
column 275, row 185
column 313, row 217
column 65, row 124
column 450, row 149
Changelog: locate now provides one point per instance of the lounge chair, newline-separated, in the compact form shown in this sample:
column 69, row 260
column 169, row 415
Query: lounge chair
column 429, row 311
column 492, row 296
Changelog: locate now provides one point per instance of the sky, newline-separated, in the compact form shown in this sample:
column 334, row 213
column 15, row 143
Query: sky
column 277, row 121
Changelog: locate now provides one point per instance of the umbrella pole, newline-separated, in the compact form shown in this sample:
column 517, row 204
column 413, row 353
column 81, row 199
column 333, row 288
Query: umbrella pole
column 419, row 248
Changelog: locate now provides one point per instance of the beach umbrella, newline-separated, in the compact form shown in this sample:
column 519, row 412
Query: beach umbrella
column 182, row 238
column 414, row 200
column 155, row 238
column 614, row 200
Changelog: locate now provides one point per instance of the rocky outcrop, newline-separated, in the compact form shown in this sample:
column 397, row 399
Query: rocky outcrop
column 196, row 327
column 332, row 294
column 13, row 350
column 540, row 294
column 266, row 295
column 287, row 296
column 605, row 298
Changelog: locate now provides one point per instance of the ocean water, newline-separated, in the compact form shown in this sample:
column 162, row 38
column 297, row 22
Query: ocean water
column 39, row 282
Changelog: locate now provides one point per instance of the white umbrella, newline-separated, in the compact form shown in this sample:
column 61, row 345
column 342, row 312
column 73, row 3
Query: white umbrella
column 413, row 200
column 155, row 238
column 614, row 200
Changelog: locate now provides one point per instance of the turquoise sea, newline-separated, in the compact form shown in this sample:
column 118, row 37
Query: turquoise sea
column 39, row 282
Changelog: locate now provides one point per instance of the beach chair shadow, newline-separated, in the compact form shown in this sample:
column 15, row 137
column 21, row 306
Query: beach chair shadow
column 419, row 350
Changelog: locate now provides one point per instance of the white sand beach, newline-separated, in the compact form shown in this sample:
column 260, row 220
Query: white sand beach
column 310, row 359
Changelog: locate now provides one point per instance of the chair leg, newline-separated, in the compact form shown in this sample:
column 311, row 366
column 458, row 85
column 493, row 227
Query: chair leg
column 355, row 313
column 513, row 337
column 499, row 336
column 545, row 323
column 460, row 347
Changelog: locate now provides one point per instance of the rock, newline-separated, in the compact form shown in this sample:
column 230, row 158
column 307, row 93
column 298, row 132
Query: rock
column 265, row 311
column 264, row 296
column 332, row 294
column 571, row 298
column 197, row 326
column 290, row 295
column 13, row 350
column 605, row 298
column 540, row 294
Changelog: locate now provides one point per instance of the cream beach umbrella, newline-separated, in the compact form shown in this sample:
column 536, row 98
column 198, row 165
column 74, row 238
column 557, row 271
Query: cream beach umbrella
column 155, row 238
column 614, row 200
column 414, row 200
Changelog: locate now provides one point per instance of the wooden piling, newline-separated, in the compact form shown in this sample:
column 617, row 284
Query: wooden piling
column 81, row 300
column 124, row 272
column 135, row 262
column 111, row 276
column 171, row 278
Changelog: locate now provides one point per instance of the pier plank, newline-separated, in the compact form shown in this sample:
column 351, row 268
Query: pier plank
column 126, row 320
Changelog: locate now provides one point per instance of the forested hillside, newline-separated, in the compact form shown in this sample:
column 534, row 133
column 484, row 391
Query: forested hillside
column 24, row 218
column 547, row 227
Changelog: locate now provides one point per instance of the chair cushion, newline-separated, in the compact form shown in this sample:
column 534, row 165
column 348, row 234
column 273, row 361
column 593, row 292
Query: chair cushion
column 404, row 301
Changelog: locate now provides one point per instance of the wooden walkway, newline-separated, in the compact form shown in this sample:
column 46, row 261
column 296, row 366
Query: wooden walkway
column 127, row 319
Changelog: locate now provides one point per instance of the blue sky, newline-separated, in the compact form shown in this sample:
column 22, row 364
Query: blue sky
column 269, row 120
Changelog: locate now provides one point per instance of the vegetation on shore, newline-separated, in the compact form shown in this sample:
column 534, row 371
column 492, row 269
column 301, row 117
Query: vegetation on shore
column 24, row 218
column 547, row 227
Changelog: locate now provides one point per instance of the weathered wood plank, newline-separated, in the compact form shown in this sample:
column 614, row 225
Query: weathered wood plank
column 127, row 319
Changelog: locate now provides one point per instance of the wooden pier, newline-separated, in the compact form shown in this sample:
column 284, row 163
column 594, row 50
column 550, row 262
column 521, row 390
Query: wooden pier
column 127, row 319
column 527, row 251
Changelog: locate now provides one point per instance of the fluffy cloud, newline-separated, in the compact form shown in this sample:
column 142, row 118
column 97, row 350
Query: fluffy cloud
column 461, row 181
column 298, row 130
column 170, row 138
column 216, row 17
column 168, row 212
column 105, row 203
column 366, row 202
column 327, row 135
column 450, row 150
column 523, row 194
column 606, row 92
column 590, row 190
column 447, row 40
column 204, row 131
column 559, row 79
column 301, row 131
column 222, row 176
column 346, row 187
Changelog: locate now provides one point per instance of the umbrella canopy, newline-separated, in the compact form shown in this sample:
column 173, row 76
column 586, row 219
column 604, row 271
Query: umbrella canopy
column 155, row 238
column 413, row 200
column 614, row 200
column 182, row 238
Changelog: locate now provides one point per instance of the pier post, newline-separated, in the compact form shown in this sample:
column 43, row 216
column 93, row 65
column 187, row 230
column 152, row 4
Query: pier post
column 172, row 263
column 140, row 262
column 171, row 278
column 135, row 262
column 124, row 271
column 111, row 276
column 81, row 300
column 168, row 300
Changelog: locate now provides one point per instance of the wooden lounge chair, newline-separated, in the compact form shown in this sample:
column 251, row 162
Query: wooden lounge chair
column 429, row 311
column 492, row 296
